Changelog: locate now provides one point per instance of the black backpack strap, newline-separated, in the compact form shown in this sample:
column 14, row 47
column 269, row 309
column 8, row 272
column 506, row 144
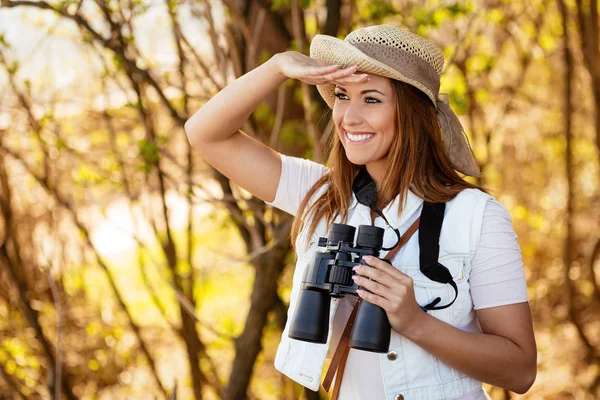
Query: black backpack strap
column 430, row 228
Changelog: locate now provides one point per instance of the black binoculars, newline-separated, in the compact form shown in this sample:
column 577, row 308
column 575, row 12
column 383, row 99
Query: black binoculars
column 329, row 274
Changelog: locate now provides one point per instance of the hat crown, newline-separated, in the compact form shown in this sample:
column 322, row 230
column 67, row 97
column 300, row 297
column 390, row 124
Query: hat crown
column 393, row 36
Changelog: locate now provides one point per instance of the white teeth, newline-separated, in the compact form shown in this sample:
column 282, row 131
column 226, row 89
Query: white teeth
column 358, row 138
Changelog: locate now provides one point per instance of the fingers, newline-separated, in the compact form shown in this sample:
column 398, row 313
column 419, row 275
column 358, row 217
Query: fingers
column 372, row 285
column 378, row 300
column 381, row 271
column 341, row 73
column 345, row 75
column 382, row 284
column 354, row 78
column 390, row 289
column 326, row 69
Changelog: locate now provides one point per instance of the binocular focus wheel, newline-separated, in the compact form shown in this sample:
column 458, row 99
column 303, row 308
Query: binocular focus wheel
column 340, row 275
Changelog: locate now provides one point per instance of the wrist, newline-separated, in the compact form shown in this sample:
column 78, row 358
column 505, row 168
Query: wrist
column 415, row 330
column 276, row 60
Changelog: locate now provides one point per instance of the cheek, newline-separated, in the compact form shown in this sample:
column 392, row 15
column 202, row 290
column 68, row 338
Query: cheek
column 389, row 142
column 337, row 115
column 384, row 119
column 387, row 125
column 337, row 121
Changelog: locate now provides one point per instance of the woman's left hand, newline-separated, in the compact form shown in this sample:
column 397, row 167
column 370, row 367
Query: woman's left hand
column 390, row 289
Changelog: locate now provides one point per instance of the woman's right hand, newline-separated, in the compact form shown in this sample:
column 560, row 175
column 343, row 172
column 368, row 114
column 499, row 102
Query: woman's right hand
column 298, row 66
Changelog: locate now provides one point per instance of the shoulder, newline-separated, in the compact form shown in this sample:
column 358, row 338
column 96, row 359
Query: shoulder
column 472, row 194
column 301, row 174
column 468, row 212
column 490, row 206
column 302, row 168
column 468, row 201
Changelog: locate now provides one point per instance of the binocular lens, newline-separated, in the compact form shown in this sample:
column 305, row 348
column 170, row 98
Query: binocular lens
column 311, row 320
column 341, row 233
column 370, row 237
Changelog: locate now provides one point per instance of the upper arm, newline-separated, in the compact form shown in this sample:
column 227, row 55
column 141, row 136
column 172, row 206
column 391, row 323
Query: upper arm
column 512, row 322
column 251, row 164
column 498, row 285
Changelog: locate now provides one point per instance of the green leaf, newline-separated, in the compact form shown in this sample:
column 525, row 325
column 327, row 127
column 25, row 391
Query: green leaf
column 87, row 174
column 47, row 117
column 548, row 43
column 93, row 365
column 149, row 151
column 98, row 137
column 60, row 144
column 118, row 62
column 263, row 113
column 439, row 16
column 460, row 8
column 265, row 55
column 482, row 95
column 86, row 36
column 277, row 4
column 495, row 15
column 12, row 68
column 3, row 41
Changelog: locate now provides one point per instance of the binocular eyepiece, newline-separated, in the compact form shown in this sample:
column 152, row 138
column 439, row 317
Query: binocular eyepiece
column 329, row 274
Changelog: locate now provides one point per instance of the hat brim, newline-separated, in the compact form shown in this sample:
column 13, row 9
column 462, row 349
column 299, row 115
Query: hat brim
column 332, row 50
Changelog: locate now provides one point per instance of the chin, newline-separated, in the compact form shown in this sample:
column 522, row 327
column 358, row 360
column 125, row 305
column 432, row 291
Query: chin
column 358, row 159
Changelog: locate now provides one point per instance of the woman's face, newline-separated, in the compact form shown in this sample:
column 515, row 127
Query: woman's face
column 364, row 116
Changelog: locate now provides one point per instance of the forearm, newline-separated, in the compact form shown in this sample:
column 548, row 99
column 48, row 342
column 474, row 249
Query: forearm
column 224, row 114
column 489, row 358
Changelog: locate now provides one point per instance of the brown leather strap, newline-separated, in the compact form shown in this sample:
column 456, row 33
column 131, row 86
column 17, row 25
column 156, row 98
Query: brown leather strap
column 338, row 362
column 403, row 239
column 341, row 352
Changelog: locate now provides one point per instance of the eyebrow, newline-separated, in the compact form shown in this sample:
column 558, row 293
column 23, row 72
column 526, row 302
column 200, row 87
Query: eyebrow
column 362, row 92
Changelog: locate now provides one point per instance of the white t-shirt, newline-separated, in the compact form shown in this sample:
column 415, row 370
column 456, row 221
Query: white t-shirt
column 497, row 277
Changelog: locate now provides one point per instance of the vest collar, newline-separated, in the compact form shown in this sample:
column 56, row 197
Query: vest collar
column 413, row 202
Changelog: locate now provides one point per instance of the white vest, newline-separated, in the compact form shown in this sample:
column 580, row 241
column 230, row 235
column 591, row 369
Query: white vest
column 414, row 373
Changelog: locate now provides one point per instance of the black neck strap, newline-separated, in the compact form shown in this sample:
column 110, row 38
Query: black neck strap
column 366, row 194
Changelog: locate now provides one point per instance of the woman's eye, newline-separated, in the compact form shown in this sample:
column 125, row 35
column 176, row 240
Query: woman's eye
column 366, row 98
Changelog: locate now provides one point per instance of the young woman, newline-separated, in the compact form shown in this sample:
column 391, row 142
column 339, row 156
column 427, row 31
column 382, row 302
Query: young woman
column 382, row 84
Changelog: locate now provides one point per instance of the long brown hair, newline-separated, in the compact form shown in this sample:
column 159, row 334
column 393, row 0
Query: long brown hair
column 416, row 159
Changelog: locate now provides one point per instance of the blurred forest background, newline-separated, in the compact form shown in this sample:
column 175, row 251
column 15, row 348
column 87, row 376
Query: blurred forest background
column 131, row 269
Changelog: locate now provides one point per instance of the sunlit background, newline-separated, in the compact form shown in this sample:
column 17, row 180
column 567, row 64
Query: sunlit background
column 131, row 269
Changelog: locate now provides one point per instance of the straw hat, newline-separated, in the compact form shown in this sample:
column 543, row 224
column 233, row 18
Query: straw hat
column 389, row 51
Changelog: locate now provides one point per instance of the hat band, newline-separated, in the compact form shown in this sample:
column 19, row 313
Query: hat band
column 406, row 63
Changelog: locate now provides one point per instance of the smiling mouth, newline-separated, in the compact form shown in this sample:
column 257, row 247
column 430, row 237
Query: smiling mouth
column 359, row 138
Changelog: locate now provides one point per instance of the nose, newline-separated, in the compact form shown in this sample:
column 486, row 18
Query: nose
column 352, row 115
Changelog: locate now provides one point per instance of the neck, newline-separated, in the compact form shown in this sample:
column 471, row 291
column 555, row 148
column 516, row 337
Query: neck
column 377, row 171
